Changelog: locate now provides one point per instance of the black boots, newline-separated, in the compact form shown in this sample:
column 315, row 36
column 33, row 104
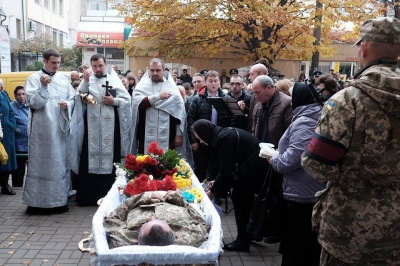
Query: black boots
column 5, row 187
column 48, row 211
column 7, row 190
column 237, row 245
column 242, row 242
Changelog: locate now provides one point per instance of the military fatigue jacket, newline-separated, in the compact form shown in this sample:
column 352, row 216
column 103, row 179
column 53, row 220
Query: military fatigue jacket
column 356, row 149
column 123, row 224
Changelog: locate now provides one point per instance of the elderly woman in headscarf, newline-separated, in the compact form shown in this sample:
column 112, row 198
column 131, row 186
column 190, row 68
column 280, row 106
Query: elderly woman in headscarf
column 230, row 146
column 299, row 245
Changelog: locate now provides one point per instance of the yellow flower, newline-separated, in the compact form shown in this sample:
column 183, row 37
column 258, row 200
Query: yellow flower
column 142, row 158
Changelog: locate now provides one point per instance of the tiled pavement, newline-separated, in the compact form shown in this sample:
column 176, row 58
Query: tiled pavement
column 53, row 239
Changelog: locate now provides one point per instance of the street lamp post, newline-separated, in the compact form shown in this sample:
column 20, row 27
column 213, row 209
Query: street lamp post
column 3, row 16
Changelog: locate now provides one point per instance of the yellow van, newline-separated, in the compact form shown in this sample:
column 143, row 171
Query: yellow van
column 13, row 79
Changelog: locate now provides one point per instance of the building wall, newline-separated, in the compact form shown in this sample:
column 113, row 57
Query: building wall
column 50, row 19
column 100, row 30
column 14, row 14
column 75, row 9
column 346, row 54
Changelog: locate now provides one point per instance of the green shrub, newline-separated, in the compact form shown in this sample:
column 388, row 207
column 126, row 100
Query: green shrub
column 37, row 65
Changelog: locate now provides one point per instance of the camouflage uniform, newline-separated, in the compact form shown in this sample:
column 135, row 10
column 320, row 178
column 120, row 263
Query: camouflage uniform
column 356, row 149
column 123, row 224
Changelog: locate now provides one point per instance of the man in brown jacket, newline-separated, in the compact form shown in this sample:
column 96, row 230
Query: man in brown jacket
column 273, row 112
column 271, row 116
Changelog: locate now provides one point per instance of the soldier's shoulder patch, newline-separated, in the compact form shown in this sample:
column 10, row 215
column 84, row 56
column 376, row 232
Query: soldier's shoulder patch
column 329, row 105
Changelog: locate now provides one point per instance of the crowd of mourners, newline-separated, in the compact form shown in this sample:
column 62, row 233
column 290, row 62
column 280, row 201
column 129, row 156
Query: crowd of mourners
column 334, row 161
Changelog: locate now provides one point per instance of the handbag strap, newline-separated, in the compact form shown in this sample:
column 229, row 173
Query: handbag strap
column 238, row 144
column 267, row 182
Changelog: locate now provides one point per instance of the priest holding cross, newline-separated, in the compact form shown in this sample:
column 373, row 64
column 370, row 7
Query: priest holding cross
column 107, row 125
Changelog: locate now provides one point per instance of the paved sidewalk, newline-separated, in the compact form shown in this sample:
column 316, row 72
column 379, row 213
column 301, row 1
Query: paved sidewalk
column 53, row 239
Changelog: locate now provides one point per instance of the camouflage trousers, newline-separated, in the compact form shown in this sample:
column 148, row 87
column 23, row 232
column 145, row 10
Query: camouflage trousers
column 328, row 260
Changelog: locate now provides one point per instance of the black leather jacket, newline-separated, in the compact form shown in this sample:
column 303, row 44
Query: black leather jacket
column 201, row 108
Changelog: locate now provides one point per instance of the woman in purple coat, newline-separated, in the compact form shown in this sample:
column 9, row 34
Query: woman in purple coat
column 299, row 245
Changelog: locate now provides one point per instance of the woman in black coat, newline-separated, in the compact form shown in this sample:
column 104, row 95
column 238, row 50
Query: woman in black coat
column 226, row 151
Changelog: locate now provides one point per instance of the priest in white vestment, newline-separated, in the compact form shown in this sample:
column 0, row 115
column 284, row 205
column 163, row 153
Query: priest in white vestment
column 158, row 111
column 50, row 98
column 106, row 135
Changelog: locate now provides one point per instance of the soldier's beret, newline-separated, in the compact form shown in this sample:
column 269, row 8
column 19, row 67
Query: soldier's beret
column 384, row 29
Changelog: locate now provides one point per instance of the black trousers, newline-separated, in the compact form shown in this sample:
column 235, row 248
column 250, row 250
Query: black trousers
column 299, row 245
column 19, row 174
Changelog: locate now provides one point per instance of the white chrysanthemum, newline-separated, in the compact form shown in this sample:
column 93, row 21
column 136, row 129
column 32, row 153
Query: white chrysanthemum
column 120, row 172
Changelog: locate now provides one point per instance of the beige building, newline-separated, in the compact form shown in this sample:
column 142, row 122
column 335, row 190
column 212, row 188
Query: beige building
column 101, row 30
column 344, row 61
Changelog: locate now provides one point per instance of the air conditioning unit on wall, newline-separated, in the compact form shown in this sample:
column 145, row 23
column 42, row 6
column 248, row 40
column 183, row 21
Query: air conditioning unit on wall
column 32, row 26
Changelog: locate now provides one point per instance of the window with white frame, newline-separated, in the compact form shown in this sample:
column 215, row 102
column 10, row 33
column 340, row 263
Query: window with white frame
column 53, row 6
column 99, row 5
column 61, row 39
column 19, row 31
column 61, row 8
column 55, row 36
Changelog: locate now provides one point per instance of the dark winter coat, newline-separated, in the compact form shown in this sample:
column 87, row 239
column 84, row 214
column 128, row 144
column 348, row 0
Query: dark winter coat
column 8, row 123
column 201, row 108
column 226, row 152
column 241, row 121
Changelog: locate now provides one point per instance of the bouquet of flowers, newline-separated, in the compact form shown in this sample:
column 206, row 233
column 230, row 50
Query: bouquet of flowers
column 156, row 170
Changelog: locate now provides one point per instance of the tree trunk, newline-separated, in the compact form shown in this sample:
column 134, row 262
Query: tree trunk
column 317, row 36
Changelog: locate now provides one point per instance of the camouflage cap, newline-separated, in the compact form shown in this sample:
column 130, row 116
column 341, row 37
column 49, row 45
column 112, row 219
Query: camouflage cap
column 384, row 29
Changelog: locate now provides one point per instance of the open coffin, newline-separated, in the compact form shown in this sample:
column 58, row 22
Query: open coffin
column 207, row 253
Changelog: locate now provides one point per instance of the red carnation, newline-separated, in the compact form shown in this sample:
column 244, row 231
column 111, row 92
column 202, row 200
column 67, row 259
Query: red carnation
column 158, row 152
column 153, row 185
column 170, row 172
column 138, row 167
column 147, row 160
column 143, row 178
column 136, row 190
column 158, row 184
column 168, row 183
column 130, row 161
column 153, row 161
column 152, row 147
column 129, row 189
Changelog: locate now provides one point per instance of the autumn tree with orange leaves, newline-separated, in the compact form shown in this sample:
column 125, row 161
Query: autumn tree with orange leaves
column 245, row 29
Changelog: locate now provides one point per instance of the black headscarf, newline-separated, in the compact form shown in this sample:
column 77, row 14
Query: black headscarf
column 301, row 95
column 206, row 130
